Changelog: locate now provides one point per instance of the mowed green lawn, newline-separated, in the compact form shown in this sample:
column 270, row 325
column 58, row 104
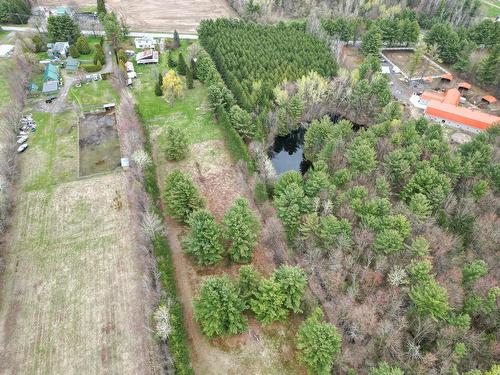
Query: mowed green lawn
column 490, row 10
column 93, row 93
column 4, row 83
column 190, row 113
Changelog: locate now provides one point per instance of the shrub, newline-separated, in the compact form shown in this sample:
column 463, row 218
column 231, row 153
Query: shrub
column 474, row 271
column 73, row 51
column 260, row 192
column 318, row 344
column 181, row 196
column 204, row 241
column 241, row 228
column 92, row 68
column 384, row 368
column 82, row 45
column 40, row 46
column 176, row 144
column 219, row 308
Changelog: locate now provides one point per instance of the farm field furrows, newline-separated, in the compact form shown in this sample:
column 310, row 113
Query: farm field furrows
column 73, row 298
column 162, row 15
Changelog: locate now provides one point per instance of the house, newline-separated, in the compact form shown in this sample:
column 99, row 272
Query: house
column 145, row 42
column 445, row 109
column 50, row 79
column 58, row 50
column 72, row 64
column 148, row 56
column 464, row 86
column 446, row 77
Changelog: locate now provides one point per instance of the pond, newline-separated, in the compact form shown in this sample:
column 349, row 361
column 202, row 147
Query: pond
column 98, row 143
column 287, row 153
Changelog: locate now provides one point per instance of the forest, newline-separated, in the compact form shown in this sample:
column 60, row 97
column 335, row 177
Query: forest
column 254, row 58
column 394, row 228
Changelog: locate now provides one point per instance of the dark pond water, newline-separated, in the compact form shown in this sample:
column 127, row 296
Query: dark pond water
column 287, row 152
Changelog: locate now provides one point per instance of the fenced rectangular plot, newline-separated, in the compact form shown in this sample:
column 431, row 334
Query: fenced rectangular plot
column 99, row 146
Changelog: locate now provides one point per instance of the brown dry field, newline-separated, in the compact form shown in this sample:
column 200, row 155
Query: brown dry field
column 73, row 297
column 402, row 61
column 161, row 15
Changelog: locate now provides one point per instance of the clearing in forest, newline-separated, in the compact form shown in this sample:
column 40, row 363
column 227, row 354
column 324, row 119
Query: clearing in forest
column 261, row 350
column 72, row 299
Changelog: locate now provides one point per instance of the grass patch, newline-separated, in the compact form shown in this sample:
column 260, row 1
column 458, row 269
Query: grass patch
column 490, row 10
column 93, row 93
column 52, row 152
column 4, row 84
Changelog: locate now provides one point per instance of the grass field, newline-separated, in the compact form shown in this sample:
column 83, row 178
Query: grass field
column 490, row 10
column 4, row 85
column 93, row 93
column 73, row 297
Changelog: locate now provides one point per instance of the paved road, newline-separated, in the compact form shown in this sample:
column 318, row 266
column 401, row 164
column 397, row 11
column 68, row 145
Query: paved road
column 87, row 32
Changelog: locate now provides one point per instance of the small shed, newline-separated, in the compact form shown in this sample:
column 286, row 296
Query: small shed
column 72, row 64
column 109, row 106
column 465, row 86
column 50, row 87
column 489, row 99
column 32, row 87
column 385, row 69
column 446, row 77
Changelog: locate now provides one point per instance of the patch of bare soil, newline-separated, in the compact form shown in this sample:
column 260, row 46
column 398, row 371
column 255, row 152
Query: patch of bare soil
column 261, row 350
column 162, row 15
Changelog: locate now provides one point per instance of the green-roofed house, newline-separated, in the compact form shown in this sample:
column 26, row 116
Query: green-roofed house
column 50, row 79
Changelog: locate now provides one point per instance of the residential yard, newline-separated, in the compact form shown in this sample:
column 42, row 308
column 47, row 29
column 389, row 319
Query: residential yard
column 402, row 59
column 261, row 350
column 93, row 93
column 74, row 298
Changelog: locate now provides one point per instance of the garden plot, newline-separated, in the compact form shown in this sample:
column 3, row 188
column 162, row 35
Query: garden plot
column 98, row 144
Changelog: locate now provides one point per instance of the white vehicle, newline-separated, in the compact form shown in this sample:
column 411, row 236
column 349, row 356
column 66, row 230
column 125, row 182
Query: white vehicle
column 23, row 147
column 23, row 139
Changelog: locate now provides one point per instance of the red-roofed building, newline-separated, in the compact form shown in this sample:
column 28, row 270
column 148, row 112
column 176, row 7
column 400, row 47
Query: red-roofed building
column 464, row 85
column 444, row 108
column 447, row 77
column 460, row 117
column 490, row 99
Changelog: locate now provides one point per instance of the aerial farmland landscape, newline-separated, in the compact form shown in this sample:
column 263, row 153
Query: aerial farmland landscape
column 250, row 187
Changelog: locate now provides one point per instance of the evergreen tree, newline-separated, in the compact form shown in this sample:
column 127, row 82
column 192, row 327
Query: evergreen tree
column 371, row 43
column 176, row 144
column 268, row 304
column 204, row 241
column 189, row 79
column 101, row 8
column 219, row 308
column 242, row 122
column 193, row 68
column 248, row 285
column 318, row 344
column 177, row 40
column 181, row 65
column 73, row 51
column 116, row 31
column 429, row 182
column 241, row 228
column 489, row 69
column 83, row 45
column 181, row 196
column 293, row 283
column 361, row 156
column 447, row 40
column 62, row 29
column 171, row 63
column 159, row 85
column 430, row 299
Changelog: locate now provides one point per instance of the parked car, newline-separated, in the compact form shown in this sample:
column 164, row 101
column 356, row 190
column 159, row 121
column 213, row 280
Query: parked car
column 22, row 148
column 50, row 100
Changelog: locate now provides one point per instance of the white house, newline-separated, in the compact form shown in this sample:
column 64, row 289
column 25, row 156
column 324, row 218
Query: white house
column 145, row 42
column 58, row 50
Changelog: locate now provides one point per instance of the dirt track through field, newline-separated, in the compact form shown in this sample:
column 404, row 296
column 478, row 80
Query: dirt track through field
column 162, row 15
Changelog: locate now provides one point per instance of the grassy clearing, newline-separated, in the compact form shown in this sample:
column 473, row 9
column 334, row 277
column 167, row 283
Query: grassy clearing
column 4, row 85
column 93, row 93
column 490, row 10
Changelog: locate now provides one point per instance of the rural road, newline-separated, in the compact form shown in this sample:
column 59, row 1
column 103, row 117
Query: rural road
column 87, row 32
